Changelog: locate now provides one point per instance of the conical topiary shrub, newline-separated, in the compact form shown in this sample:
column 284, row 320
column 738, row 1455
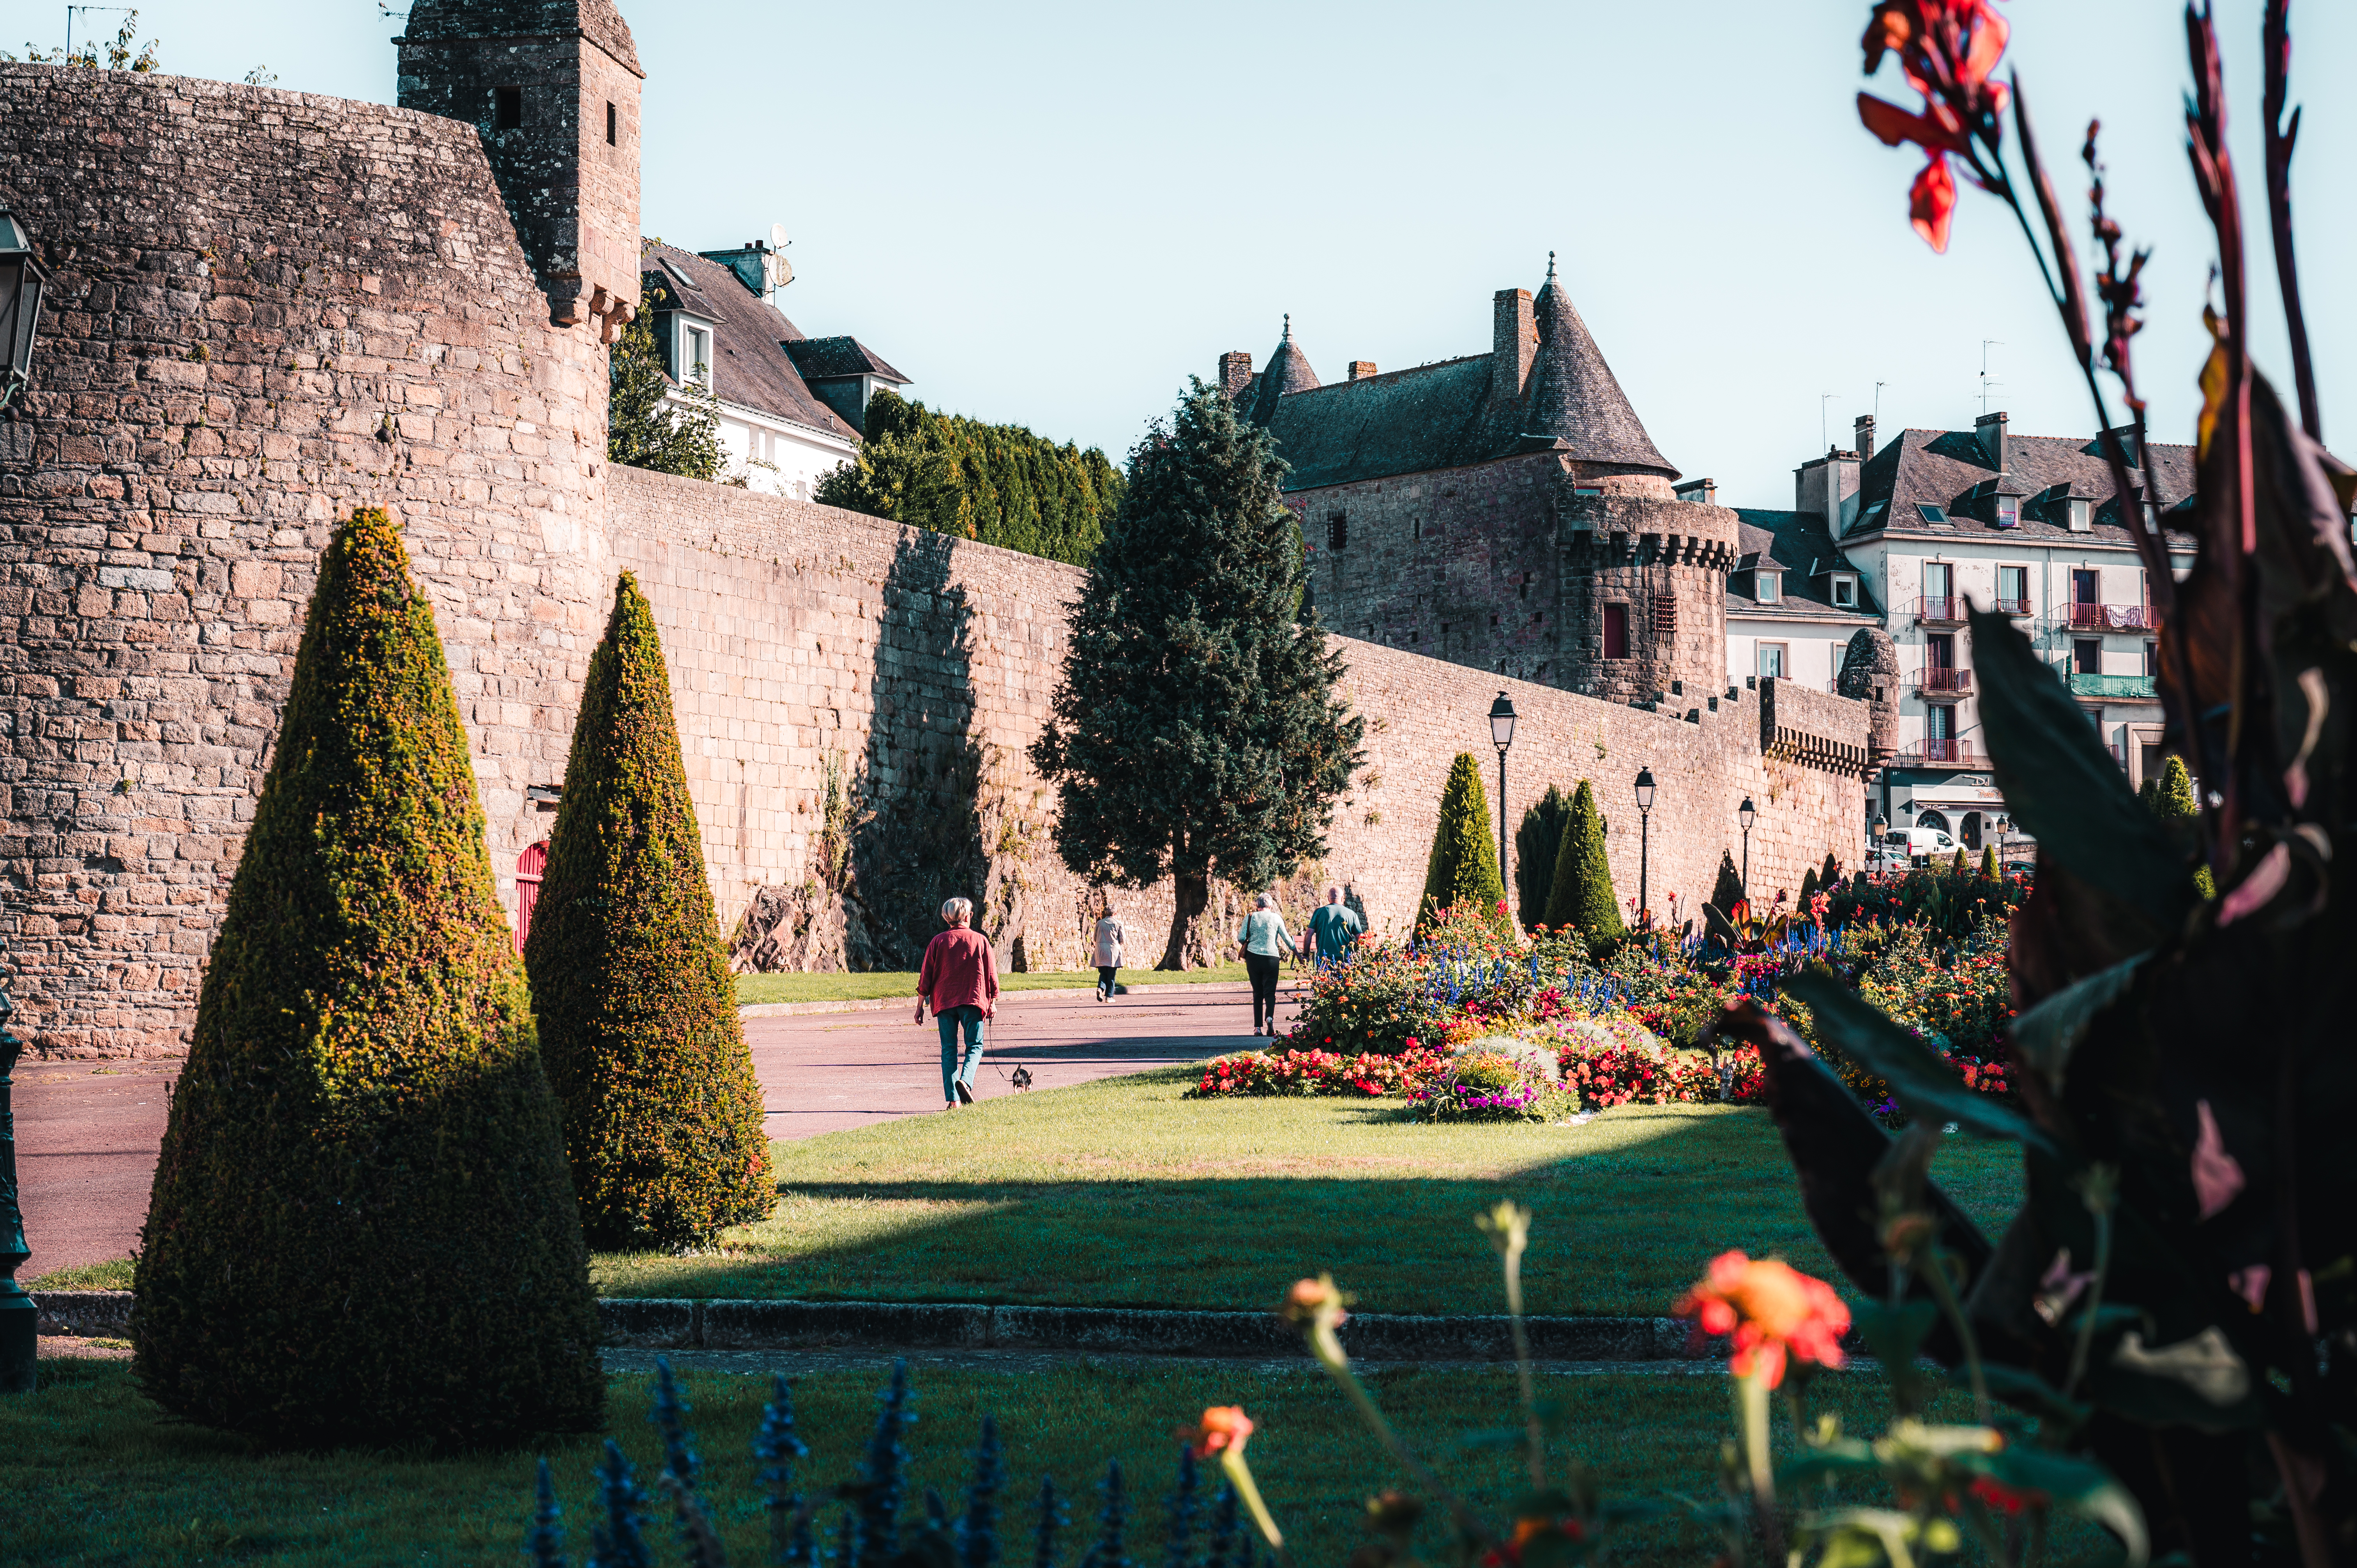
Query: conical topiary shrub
column 363, row 1229
column 629, row 977
column 1581, row 893
column 1538, row 844
column 1463, row 871
column 1727, row 891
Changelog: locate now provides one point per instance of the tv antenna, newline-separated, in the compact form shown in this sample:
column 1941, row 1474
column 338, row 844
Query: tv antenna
column 1824, row 429
column 1985, row 382
column 1878, row 400
column 70, row 17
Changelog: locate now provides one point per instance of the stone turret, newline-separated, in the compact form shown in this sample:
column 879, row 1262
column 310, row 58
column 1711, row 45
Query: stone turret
column 1870, row 672
column 1288, row 371
column 553, row 87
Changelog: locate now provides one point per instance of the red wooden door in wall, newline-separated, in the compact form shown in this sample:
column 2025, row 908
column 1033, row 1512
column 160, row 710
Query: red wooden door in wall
column 529, row 866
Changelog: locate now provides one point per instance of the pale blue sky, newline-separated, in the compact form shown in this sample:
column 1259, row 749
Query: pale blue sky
column 1053, row 213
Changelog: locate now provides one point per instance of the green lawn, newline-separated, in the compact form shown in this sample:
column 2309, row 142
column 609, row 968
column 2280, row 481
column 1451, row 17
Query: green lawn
column 93, row 1474
column 1120, row 1192
column 113, row 1274
column 752, row 988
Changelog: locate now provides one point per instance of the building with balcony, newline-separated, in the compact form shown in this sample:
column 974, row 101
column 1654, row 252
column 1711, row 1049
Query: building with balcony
column 1794, row 601
column 1941, row 521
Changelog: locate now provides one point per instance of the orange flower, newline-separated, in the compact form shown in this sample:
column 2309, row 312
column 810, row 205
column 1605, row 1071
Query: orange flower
column 1223, row 1426
column 1772, row 1309
column 1307, row 1298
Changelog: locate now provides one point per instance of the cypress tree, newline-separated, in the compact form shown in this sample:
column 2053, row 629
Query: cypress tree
column 1198, row 727
column 1463, row 871
column 2169, row 795
column 1988, row 861
column 638, row 1013
column 1581, row 893
column 1829, row 876
column 1808, row 886
column 1538, row 844
column 362, row 1229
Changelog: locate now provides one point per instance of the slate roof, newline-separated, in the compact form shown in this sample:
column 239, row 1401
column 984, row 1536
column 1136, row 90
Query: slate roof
column 1450, row 414
column 818, row 359
column 1575, row 397
column 1798, row 543
column 597, row 20
column 1947, row 468
column 752, row 366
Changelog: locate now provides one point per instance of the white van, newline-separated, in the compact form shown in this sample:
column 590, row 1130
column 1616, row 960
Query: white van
column 1919, row 843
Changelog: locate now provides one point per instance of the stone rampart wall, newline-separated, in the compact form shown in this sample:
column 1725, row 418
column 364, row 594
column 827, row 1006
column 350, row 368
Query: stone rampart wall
column 267, row 308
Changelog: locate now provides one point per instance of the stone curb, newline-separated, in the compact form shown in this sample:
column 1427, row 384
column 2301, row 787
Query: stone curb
column 656, row 1324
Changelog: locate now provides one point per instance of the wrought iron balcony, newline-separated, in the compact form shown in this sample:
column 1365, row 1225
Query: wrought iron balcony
column 1938, row 678
column 2112, row 617
column 1958, row 753
column 2117, row 688
column 2011, row 607
column 1947, row 610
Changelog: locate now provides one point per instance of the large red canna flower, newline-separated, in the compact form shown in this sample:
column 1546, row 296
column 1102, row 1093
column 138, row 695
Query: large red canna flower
column 1946, row 49
column 1772, row 1309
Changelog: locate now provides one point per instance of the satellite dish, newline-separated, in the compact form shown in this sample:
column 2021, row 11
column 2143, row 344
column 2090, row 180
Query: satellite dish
column 777, row 236
column 781, row 272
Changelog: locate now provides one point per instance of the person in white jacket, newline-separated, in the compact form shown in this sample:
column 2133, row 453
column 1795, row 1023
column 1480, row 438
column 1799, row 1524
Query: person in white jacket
column 1109, row 940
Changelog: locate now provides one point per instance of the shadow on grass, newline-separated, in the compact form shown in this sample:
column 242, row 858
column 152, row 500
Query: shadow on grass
column 1630, row 1210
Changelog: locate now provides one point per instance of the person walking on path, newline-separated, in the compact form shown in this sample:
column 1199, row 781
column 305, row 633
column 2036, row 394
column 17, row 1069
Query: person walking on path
column 1265, row 943
column 1333, row 931
column 1108, row 940
column 960, row 981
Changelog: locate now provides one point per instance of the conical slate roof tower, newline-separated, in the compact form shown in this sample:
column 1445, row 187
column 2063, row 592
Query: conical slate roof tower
column 1574, row 396
column 1288, row 371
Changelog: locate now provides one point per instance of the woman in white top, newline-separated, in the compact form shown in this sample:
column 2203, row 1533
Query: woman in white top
column 1263, row 942
column 1109, row 940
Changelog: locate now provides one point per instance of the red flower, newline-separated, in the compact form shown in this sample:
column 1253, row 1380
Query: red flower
column 1772, row 1309
column 2005, row 1499
column 1946, row 49
column 1223, row 1426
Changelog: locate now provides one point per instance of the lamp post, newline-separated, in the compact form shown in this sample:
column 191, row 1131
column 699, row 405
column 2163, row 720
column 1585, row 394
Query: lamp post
column 1876, row 833
column 1745, row 815
column 2004, row 827
column 20, row 1344
column 22, row 278
column 1644, row 842
column 1502, row 735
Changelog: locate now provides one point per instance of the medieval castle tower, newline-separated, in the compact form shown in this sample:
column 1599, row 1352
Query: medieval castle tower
column 1505, row 511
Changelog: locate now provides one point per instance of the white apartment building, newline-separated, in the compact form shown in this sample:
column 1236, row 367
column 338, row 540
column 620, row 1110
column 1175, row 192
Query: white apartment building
column 1939, row 520
column 790, row 408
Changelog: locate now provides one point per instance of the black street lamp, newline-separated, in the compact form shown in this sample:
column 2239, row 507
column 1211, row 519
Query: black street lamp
column 1644, row 842
column 1502, row 735
column 1875, row 833
column 21, row 281
column 2004, row 827
column 1745, row 815
column 20, row 1318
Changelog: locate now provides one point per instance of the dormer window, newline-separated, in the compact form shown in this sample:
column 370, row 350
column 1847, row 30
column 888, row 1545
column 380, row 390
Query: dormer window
column 1768, row 588
column 1845, row 585
column 2008, row 511
column 1937, row 516
column 691, row 351
column 2080, row 515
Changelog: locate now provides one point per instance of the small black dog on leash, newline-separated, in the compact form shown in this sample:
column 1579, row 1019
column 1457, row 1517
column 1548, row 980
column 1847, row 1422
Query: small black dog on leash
column 1020, row 1078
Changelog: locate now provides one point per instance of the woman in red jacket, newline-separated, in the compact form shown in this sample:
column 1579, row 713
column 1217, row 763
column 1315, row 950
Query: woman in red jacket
column 960, row 983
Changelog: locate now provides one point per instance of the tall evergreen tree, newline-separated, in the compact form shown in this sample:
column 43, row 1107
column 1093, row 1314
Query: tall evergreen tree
column 363, row 1229
column 1462, row 873
column 637, row 1012
column 1581, row 893
column 1197, row 728
column 1537, row 843
column 1727, row 891
column 998, row 484
column 642, row 429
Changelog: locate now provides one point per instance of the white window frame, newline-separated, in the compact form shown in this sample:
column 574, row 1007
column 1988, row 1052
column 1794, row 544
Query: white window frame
column 1778, row 653
column 1768, row 588
column 2008, row 511
column 2082, row 515
column 685, row 330
column 1845, row 590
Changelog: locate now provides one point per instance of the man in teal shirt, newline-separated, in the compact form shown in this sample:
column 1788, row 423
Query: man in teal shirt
column 1333, row 929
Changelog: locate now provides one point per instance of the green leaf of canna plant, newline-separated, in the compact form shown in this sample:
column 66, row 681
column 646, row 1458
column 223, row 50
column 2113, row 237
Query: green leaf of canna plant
column 1926, row 1087
column 2064, row 787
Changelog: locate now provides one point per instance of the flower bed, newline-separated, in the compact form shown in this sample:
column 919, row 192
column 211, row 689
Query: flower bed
column 1366, row 1073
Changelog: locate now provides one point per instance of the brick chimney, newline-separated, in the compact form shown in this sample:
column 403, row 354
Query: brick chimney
column 1514, row 342
column 1989, row 431
column 1865, row 438
column 1362, row 369
column 1236, row 373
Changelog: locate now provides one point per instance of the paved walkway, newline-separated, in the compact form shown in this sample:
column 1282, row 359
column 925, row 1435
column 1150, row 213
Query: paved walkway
column 87, row 1133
